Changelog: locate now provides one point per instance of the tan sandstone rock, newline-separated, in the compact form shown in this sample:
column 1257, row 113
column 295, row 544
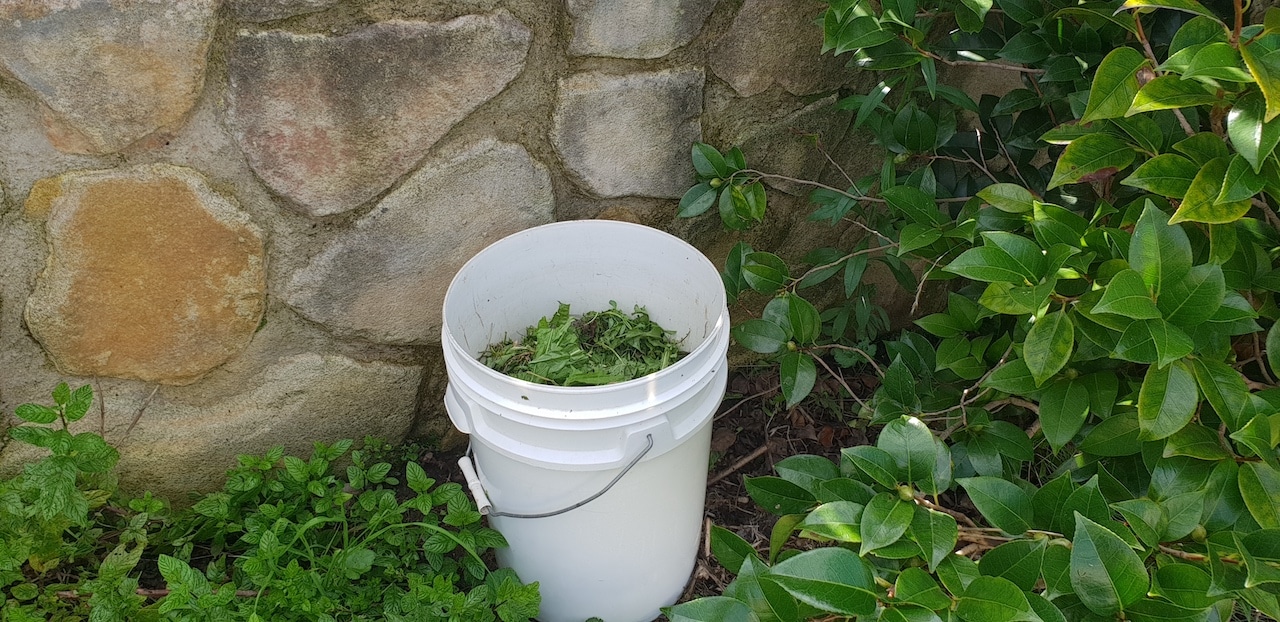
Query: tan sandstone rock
column 151, row 275
column 108, row 73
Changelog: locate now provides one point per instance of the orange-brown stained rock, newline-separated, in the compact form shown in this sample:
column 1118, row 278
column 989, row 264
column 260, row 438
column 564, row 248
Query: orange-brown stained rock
column 150, row 276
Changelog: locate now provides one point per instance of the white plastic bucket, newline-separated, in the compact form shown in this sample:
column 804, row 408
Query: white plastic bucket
column 540, row 449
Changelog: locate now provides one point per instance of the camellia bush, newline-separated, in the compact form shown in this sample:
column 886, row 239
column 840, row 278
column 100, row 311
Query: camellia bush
column 1089, row 430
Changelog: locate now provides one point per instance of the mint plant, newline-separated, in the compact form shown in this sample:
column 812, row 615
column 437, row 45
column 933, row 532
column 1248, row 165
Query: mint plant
column 54, row 495
column 1092, row 419
column 351, row 535
column 295, row 539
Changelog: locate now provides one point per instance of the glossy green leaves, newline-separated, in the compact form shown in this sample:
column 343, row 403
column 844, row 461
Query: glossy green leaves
column 1048, row 345
column 1114, row 85
column 1107, row 575
column 1091, row 157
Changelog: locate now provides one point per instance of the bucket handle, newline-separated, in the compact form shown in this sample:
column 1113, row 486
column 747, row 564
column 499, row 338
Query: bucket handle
column 486, row 507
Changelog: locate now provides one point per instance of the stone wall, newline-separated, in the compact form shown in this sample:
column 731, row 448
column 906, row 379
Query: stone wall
column 237, row 219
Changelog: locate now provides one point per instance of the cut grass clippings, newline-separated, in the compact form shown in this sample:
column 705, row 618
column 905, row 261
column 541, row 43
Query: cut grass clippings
column 599, row 347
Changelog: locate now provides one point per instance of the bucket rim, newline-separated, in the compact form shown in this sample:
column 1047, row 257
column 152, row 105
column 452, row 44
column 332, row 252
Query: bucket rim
column 696, row 354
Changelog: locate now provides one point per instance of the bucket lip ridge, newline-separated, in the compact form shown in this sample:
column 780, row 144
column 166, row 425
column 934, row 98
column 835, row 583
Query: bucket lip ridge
column 721, row 322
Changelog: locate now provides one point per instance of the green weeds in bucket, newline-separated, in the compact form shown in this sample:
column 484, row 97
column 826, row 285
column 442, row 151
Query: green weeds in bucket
column 600, row 347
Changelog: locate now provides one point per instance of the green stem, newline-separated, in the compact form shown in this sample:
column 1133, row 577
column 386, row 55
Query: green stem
column 429, row 527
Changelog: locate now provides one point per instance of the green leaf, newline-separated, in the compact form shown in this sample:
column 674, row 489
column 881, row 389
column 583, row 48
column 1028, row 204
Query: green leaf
column 1091, row 156
column 899, row 385
column 778, row 496
column 1252, row 136
column 1025, row 47
column 914, row 129
column 987, row 599
column 1263, row 62
column 1261, row 556
column 765, row 272
column 915, row 236
column 798, row 374
column 1273, row 348
column 36, row 413
column 1240, row 183
column 1153, row 341
column 838, row 520
column 92, row 454
column 915, row 586
column 1018, row 561
column 780, row 534
column 1198, row 31
column 760, row 336
column 1202, row 147
column 1048, row 345
column 1063, row 408
column 1199, row 204
column 1193, row 299
column 697, row 200
column 729, row 548
column 711, row 609
column 1013, row 377
column 1167, row 174
column 1010, row 198
column 1167, row 400
column 1168, row 92
column 914, row 204
column 1000, row 501
column 885, row 520
column 1259, row 436
column 78, row 403
column 1127, row 295
column 853, row 271
column 914, row 449
column 805, row 323
column 1106, row 574
column 708, row 161
column 1189, row 6
column 1260, row 488
column 1217, row 61
column 1195, row 441
column 1224, row 388
column 1116, row 435
column 861, row 32
column 1145, row 517
column 1114, row 85
column 1158, row 251
column 832, row 579
column 873, row 461
column 936, row 534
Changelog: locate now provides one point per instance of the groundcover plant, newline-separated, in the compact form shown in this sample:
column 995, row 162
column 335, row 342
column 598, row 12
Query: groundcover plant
column 285, row 539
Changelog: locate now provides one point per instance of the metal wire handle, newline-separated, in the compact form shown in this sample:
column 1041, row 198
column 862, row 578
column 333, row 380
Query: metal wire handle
column 486, row 508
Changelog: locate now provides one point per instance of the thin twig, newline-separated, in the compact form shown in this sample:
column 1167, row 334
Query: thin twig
column 837, row 346
column 745, row 400
column 987, row 64
column 1013, row 401
column 924, row 279
column 760, row 451
column 832, row 264
column 1270, row 213
column 102, row 409
column 142, row 408
column 960, row 516
column 840, row 379
column 1193, row 557
column 965, row 398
